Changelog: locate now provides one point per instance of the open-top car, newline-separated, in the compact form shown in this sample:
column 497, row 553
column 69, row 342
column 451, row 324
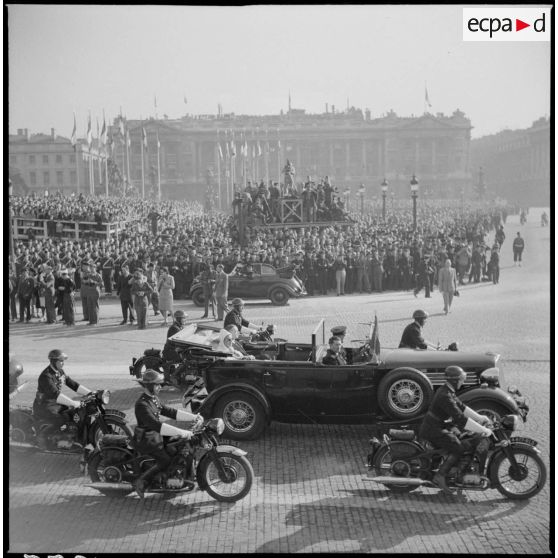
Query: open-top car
column 388, row 385
column 262, row 281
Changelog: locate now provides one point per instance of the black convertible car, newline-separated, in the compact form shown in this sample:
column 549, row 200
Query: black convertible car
column 389, row 385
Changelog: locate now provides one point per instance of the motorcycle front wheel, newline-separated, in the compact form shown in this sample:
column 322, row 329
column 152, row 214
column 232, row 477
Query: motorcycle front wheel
column 231, row 486
column 387, row 465
column 521, row 482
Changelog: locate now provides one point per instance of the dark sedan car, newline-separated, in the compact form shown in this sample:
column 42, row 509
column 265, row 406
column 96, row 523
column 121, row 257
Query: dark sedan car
column 392, row 385
column 263, row 281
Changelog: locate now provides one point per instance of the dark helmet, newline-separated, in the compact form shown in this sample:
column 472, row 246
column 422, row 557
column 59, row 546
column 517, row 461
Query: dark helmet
column 417, row 314
column 237, row 302
column 180, row 314
column 270, row 329
column 150, row 377
column 455, row 373
column 57, row 354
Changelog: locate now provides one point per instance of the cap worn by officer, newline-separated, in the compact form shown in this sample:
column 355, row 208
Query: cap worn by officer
column 57, row 354
column 151, row 377
column 339, row 330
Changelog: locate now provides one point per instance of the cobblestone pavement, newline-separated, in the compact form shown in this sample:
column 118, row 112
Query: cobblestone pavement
column 309, row 493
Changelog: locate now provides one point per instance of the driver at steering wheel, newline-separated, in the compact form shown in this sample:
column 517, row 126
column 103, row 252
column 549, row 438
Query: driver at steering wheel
column 412, row 334
column 149, row 432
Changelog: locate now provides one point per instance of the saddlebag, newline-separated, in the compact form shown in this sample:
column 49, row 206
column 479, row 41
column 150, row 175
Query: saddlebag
column 152, row 352
column 114, row 440
column 407, row 435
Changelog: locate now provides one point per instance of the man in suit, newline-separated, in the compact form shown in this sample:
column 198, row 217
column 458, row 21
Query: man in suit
column 221, row 291
column 447, row 284
column 333, row 356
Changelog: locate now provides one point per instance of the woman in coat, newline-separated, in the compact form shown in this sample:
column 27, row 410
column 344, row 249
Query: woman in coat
column 447, row 284
column 165, row 286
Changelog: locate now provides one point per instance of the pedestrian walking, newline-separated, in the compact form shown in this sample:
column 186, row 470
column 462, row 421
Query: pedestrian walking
column 221, row 292
column 447, row 284
column 207, row 280
column 165, row 286
column 423, row 280
column 340, row 270
column 518, row 247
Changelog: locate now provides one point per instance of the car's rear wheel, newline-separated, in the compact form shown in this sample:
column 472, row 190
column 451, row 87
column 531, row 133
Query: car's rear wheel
column 279, row 296
column 243, row 415
column 197, row 297
column 404, row 394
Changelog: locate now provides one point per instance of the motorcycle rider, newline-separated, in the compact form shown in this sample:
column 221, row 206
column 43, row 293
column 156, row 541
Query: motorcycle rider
column 412, row 337
column 169, row 351
column 49, row 404
column 149, row 432
column 235, row 317
column 434, row 428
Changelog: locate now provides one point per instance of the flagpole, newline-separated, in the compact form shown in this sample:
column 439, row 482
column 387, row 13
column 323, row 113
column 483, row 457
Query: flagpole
column 158, row 167
column 142, row 173
column 219, row 173
column 266, row 159
column 77, row 168
column 279, row 163
column 127, row 142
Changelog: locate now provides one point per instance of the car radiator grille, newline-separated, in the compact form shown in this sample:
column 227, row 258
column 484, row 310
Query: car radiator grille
column 437, row 378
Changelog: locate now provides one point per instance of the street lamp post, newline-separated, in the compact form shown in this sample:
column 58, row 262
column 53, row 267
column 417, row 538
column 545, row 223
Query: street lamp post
column 11, row 225
column 361, row 192
column 384, row 194
column 414, row 195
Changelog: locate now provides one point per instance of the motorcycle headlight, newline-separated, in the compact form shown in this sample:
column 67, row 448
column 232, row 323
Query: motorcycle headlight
column 105, row 397
column 512, row 422
column 217, row 425
column 491, row 375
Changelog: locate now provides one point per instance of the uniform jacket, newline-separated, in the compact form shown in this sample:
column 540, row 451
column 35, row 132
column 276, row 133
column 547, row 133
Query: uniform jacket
column 148, row 408
column 412, row 338
column 234, row 318
column 50, row 385
column 445, row 405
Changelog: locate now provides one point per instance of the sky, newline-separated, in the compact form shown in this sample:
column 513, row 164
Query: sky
column 91, row 58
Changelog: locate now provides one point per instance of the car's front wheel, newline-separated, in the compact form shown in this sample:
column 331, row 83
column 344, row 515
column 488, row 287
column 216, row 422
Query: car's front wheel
column 243, row 415
column 404, row 394
column 494, row 411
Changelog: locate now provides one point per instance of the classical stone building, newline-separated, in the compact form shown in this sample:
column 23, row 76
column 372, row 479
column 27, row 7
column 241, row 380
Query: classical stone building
column 351, row 147
column 515, row 163
column 44, row 163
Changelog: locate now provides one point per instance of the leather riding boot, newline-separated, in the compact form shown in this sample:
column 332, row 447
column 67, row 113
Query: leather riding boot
column 142, row 480
column 440, row 477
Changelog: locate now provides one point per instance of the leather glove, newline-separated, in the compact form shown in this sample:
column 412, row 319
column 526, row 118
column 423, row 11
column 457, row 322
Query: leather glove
column 186, row 434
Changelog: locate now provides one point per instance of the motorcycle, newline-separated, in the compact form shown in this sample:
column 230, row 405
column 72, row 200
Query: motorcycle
column 221, row 470
column 513, row 465
column 261, row 345
column 81, row 433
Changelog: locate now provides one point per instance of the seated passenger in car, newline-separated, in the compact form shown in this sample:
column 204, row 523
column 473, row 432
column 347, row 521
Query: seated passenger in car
column 333, row 355
column 226, row 346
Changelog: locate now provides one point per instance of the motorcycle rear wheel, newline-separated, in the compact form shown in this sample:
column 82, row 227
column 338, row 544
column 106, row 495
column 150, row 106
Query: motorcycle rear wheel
column 236, row 486
column 385, row 464
column 97, row 470
column 115, row 426
column 523, row 483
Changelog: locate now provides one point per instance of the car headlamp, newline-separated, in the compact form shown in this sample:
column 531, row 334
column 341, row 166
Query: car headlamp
column 491, row 375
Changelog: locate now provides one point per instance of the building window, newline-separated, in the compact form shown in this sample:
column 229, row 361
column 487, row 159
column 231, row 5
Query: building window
column 60, row 178
column 31, row 159
column 33, row 178
column 13, row 160
column 46, row 178
column 45, row 159
column 58, row 159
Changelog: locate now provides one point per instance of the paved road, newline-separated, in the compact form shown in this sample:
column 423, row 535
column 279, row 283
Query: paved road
column 309, row 494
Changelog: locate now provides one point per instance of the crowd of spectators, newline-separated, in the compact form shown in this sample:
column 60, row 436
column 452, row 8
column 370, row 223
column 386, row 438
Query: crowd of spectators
column 181, row 237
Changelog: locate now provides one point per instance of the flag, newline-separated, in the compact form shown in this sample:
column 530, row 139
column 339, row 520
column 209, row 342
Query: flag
column 259, row 149
column 245, row 148
column 128, row 139
column 278, row 144
column 155, row 101
column 73, row 139
column 89, row 133
column 253, row 151
column 144, row 138
column 185, row 100
column 426, row 99
column 233, row 149
column 375, row 341
column 227, row 149
column 110, row 140
column 220, row 151
column 121, row 129
column 158, row 142
column 98, row 133
column 103, row 137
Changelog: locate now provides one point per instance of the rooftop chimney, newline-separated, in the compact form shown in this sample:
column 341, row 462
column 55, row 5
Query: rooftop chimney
column 52, row 133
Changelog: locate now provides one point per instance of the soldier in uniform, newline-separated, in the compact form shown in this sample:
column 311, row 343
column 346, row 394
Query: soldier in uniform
column 91, row 283
column 412, row 335
column 446, row 405
column 49, row 402
column 235, row 317
column 140, row 290
column 107, row 271
column 149, row 432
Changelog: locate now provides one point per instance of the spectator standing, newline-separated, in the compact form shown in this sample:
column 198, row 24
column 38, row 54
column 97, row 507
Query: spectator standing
column 83, row 290
column 92, row 281
column 340, row 270
column 152, row 277
column 207, row 280
column 221, row 291
column 376, row 272
column 140, row 290
column 107, row 272
column 123, row 290
column 50, row 296
column 495, row 266
column 500, row 236
column 463, row 262
column 66, row 286
column 518, row 247
column 165, row 286
column 12, row 290
column 25, row 289
column 447, row 284
column 476, row 265
column 423, row 279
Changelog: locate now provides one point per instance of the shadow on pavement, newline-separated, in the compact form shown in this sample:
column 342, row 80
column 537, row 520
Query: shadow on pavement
column 331, row 519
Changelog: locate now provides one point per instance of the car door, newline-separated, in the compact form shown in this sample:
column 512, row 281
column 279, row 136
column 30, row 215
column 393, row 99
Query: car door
column 291, row 388
column 351, row 394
